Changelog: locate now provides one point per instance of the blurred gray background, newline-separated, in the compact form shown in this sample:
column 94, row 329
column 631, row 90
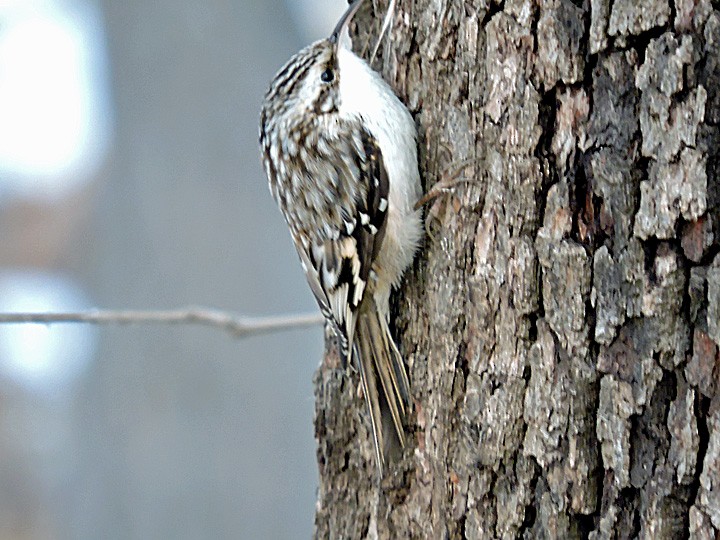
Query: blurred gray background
column 130, row 178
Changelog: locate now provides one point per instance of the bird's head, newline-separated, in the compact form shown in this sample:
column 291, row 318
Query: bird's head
column 308, row 84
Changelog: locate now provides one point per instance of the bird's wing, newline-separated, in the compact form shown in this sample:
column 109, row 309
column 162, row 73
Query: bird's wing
column 338, row 261
column 338, row 265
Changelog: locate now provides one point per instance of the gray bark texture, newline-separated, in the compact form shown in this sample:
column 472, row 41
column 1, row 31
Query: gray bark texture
column 561, row 324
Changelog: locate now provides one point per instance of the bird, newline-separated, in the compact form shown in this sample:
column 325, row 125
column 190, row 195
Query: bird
column 339, row 150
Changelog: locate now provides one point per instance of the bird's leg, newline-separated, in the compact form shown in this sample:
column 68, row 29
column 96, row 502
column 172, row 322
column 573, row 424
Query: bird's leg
column 448, row 182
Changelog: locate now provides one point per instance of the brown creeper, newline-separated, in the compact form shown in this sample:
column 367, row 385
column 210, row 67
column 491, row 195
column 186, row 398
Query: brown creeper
column 340, row 154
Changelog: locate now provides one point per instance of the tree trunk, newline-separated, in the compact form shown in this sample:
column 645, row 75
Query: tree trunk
column 561, row 324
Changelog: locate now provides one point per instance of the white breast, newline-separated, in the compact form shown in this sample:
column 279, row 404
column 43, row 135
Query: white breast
column 365, row 95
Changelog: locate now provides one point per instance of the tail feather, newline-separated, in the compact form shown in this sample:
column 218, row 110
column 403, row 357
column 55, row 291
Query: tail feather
column 384, row 379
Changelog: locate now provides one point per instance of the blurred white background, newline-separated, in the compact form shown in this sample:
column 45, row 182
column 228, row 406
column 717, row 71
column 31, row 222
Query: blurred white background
column 130, row 178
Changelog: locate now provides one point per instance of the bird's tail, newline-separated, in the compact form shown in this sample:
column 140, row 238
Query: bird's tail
column 384, row 379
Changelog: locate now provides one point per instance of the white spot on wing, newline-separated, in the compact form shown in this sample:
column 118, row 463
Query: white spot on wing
column 359, row 290
column 355, row 266
column 347, row 249
column 339, row 300
column 331, row 232
column 330, row 277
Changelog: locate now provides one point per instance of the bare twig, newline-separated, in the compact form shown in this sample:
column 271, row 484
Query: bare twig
column 239, row 326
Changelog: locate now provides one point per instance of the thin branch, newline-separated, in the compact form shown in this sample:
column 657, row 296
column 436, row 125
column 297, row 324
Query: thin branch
column 239, row 326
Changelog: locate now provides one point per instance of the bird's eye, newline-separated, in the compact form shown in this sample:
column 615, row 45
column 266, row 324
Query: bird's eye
column 327, row 75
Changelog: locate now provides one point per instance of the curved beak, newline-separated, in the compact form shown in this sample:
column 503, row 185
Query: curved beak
column 344, row 21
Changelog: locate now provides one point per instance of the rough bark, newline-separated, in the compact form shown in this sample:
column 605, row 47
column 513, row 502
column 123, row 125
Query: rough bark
column 561, row 325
